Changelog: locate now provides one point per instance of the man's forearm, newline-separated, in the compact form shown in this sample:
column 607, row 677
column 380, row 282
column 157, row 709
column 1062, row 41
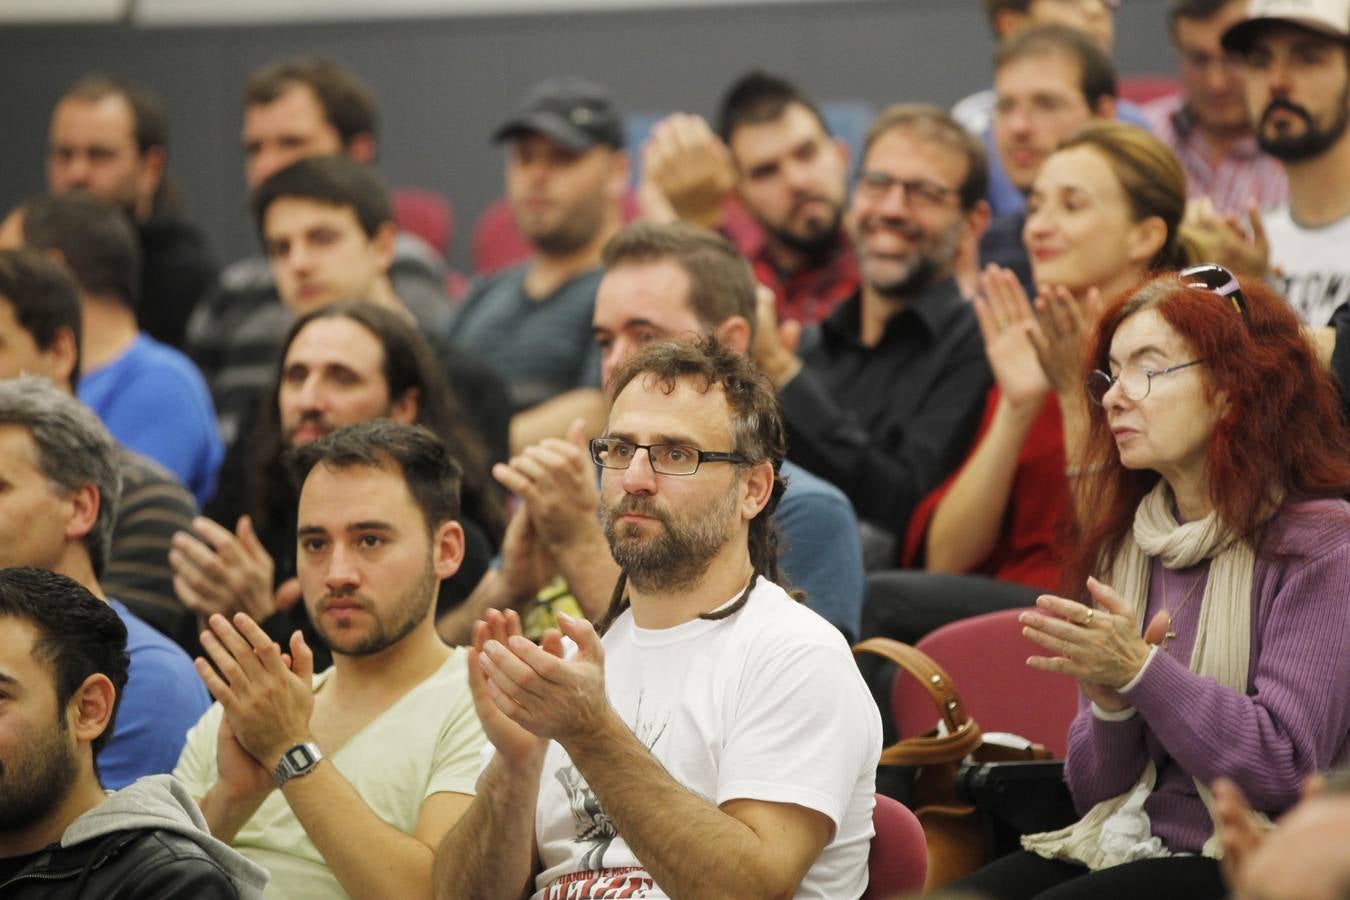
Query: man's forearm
column 225, row 815
column 489, row 854
column 368, row 856
column 690, row 847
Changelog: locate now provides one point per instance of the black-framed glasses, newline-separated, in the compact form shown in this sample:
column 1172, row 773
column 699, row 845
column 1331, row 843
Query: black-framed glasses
column 1217, row 279
column 665, row 459
column 1135, row 381
column 918, row 191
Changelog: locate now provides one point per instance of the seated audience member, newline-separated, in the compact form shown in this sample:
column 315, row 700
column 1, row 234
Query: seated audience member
column 40, row 335
column 773, row 152
column 1217, row 462
column 1206, row 123
column 1095, row 19
column 1048, row 82
column 63, row 661
column 151, row 397
column 327, row 225
column 1105, row 211
column 340, row 365
column 343, row 783
column 566, row 174
column 883, row 396
column 56, row 512
column 662, row 282
column 1296, row 68
column 718, row 741
column 294, row 109
column 110, row 138
column 1301, row 858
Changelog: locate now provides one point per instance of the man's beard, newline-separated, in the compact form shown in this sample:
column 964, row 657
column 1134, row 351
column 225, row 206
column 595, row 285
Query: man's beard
column 817, row 243
column 678, row 557
column 1314, row 141
column 932, row 253
column 326, row 428
column 388, row 627
column 573, row 231
column 35, row 782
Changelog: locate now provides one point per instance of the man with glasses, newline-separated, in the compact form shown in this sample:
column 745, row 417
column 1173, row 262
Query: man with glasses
column 883, row 397
column 1206, row 123
column 718, row 741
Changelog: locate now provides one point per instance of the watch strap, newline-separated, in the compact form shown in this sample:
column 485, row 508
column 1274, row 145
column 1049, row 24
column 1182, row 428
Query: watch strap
column 298, row 760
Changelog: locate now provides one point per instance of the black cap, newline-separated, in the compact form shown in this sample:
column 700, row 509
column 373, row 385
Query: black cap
column 573, row 111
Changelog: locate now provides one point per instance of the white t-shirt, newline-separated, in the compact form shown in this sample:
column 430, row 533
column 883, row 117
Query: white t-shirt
column 427, row 743
column 764, row 705
column 1315, row 263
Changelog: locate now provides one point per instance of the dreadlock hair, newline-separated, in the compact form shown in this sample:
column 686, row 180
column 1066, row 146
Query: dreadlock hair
column 758, row 430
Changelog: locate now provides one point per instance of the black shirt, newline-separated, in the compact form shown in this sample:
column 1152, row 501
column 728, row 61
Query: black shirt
column 887, row 423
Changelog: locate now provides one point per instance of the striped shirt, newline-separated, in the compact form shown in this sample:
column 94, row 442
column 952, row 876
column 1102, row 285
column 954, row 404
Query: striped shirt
column 1244, row 174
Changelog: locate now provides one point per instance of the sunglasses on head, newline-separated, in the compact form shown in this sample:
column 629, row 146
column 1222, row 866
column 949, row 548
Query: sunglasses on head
column 1217, row 279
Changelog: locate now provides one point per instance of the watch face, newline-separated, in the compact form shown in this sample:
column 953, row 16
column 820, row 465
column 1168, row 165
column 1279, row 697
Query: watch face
column 298, row 757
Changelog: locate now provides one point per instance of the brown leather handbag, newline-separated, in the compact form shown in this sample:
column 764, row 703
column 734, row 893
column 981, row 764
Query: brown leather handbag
column 954, row 829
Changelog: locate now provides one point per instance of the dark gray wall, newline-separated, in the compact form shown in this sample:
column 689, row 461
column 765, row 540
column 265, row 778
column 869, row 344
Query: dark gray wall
column 444, row 84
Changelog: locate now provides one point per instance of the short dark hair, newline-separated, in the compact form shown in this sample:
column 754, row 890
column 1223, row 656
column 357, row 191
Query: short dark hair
column 150, row 124
column 73, row 449
column 44, row 296
column 758, row 97
column 721, row 284
column 96, row 238
column 935, row 125
column 348, row 102
column 409, row 364
column 993, row 7
column 428, row 469
column 1096, row 72
column 333, row 181
column 78, row 634
column 1194, row 9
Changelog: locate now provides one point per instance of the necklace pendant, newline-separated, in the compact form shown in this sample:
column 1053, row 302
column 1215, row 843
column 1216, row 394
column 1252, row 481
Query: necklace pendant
column 1167, row 637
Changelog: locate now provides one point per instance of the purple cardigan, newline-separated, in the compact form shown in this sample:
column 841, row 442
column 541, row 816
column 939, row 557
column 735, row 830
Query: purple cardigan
column 1293, row 720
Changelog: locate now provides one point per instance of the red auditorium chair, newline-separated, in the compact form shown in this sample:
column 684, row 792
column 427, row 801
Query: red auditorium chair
column 428, row 215
column 897, row 862
column 497, row 244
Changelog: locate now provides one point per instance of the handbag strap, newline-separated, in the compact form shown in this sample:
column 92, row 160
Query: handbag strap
column 963, row 734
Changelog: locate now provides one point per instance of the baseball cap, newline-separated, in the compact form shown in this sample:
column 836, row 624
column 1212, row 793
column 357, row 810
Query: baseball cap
column 1329, row 17
column 575, row 112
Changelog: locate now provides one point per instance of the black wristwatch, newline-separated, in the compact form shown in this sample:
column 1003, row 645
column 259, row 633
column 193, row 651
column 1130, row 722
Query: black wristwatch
column 299, row 760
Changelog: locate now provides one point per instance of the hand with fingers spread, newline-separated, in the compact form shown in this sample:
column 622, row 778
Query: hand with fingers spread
column 542, row 693
column 1063, row 323
column 775, row 347
column 1098, row 645
column 267, row 698
column 219, row 572
column 1005, row 319
column 516, row 745
column 688, row 167
column 556, row 479
column 1225, row 240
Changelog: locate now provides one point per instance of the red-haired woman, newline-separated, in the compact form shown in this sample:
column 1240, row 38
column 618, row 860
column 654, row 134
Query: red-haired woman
column 1219, row 457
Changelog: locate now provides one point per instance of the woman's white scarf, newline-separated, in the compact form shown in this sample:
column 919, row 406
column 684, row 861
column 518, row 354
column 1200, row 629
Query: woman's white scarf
column 1222, row 651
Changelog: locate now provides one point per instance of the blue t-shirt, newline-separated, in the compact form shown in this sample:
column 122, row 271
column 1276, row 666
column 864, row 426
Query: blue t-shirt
column 164, row 697
column 154, row 401
column 820, row 550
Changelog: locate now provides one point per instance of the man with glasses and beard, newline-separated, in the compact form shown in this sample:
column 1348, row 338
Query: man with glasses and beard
column 883, row 397
column 718, row 741
column 63, row 665
column 375, row 759
column 1297, row 69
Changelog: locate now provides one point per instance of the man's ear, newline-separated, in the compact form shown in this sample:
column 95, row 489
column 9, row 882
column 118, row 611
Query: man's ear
column 447, row 547
column 759, row 481
column 63, row 359
column 976, row 221
column 734, row 334
column 151, row 172
column 361, row 147
column 404, row 409
column 90, row 709
column 382, row 242
column 84, row 506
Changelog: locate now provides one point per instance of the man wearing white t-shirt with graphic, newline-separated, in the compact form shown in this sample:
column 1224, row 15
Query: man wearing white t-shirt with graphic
column 718, row 741
column 1297, row 67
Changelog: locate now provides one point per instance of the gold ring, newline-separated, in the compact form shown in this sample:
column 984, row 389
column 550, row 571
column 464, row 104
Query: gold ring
column 1088, row 621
